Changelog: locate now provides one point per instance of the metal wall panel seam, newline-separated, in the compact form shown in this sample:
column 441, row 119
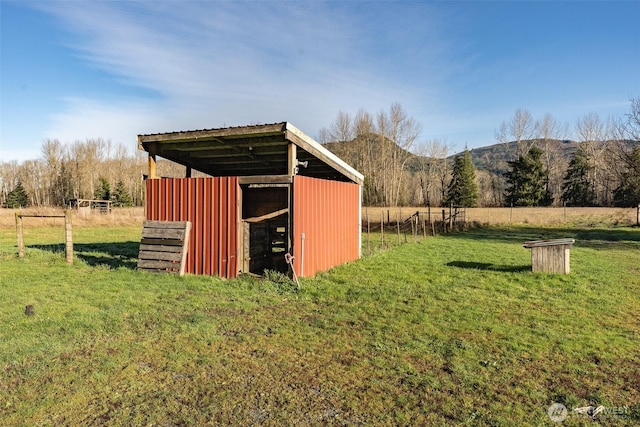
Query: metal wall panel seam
column 210, row 196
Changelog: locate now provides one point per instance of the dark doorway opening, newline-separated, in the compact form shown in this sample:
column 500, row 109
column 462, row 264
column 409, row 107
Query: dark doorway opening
column 265, row 227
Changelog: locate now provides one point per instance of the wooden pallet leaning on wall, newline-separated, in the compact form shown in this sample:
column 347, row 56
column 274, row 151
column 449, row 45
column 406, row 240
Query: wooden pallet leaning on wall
column 163, row 248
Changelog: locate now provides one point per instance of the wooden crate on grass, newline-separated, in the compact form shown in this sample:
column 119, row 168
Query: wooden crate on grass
column 163, row 248
column 550, row 256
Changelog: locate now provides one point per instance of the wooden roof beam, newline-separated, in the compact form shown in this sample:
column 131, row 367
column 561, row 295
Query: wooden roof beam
column 296, row 136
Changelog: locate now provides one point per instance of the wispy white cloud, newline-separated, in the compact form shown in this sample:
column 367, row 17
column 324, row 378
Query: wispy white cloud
column 458, row 68
column 217, row 63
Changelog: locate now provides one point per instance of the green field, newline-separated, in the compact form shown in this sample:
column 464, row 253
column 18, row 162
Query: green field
column 451, row 330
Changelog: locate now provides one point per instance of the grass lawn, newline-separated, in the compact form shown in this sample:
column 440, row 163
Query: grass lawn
column 452, row 330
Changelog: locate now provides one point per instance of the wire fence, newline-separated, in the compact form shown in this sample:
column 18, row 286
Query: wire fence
column 383, row 228
column 382, row 231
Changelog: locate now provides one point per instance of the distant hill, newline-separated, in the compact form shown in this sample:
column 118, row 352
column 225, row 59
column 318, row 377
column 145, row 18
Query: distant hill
column 493, row 158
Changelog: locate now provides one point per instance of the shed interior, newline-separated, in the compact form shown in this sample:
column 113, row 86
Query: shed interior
column 265, row 227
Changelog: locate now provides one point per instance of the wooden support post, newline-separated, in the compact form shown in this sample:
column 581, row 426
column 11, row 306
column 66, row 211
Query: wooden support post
column 398, row 224
column 246, row 246
column 188, row 172
column 68, row 239
column 292, row 159
column 153, row 170
column 19, row 235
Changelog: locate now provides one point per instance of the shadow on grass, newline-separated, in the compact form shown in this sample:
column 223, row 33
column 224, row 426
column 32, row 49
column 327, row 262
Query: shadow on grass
column 599, row 238
column 489, row 267
column 113, row 255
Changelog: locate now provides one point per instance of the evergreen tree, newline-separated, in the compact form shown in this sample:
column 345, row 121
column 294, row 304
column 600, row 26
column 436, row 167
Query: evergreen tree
column 103, row 192
column 120, row 196
column 527, row 181
column 577, row 189
column 463, row 190
column 628, row 192
column 17, row 198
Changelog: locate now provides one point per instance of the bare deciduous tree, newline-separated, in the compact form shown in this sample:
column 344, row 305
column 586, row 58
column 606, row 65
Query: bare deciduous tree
column 521, row 129
column 433, row 170
column 549, row 135
column 632, row 122
column 592, row 134
column 401, row 131
column 379, row 147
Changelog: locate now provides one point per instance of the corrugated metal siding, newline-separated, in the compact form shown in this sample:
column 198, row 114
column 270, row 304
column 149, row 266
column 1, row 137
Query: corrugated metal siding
column 328, row 213
column 211, row 206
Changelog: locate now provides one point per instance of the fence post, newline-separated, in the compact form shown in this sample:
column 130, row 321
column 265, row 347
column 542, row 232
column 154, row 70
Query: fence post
column 68, row 233
column 381, row 229
column 424, row 227
column 414, row 227
column 19, row 235
column 368, row 235
column 451, row 217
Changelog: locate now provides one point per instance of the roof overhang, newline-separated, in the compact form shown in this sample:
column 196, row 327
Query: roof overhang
column 256, row 150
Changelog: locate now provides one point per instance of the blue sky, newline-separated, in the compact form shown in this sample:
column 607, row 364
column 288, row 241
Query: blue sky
column 112, row 70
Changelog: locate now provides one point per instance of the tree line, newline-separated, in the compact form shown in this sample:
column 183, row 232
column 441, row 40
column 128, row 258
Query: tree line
column 534, row 163
column 90, row 169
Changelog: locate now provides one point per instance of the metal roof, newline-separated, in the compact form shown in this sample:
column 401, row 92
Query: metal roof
column 248, row 151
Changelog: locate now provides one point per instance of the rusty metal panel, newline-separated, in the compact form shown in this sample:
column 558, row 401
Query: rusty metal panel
column 327, row 214
column 211, row 206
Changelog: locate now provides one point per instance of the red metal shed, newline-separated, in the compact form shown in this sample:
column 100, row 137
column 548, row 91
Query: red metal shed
column 271, row 190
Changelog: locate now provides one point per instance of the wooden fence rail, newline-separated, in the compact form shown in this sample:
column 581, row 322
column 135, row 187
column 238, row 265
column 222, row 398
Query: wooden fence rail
column 68, row 232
